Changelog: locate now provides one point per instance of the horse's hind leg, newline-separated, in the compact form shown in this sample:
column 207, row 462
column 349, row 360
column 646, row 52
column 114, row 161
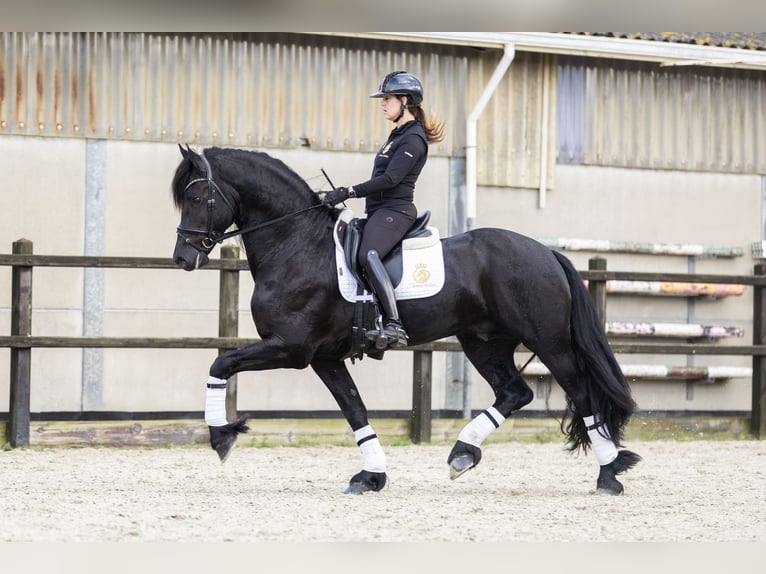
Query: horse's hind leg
column 494, row 361
column 612, row 461
column 337, row 379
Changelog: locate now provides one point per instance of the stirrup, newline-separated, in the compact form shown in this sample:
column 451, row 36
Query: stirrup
column 396, row 335
column 391, row 336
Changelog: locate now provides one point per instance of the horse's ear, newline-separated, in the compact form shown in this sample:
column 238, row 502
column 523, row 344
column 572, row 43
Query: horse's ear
column 191, row 155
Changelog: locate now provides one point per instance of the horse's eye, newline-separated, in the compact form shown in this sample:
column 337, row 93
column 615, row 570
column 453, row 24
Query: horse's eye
column 196, row 200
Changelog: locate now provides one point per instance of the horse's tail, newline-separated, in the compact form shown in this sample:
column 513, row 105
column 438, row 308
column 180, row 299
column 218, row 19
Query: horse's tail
column 597, row 368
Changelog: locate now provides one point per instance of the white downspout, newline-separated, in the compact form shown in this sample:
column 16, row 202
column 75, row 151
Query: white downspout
column 544, row 127
column 470, row 139
column 470, row 181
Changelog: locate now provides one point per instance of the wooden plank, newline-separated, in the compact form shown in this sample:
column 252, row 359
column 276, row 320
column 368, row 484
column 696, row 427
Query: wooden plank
column 228, row 320
column 687, row 349
column 673, row 277
column 758, row 400
column 128, row 342
column 21, row 358
column 442, row 345
column 598, row 289
column 676, row 330
column 675, row 288
column 111, row 262
column 267, row 433
column 421, row 397
column 650, row 248
column 165, row 263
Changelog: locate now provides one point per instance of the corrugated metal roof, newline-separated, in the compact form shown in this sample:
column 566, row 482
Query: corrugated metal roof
column 262, row 90
column 742, row 40
column 258, row 89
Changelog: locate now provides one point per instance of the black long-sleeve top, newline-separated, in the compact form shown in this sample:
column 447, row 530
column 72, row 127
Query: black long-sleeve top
column 396, row 169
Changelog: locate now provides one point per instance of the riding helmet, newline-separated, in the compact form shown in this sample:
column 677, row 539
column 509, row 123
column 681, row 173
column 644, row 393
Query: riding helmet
column 401, row 83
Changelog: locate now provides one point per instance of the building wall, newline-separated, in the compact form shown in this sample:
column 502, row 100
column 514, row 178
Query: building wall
column 618, row 204
column 140, row 221
column 652, row 206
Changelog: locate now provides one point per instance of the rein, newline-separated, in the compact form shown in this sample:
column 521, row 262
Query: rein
column 211, row 237
column 236, row 232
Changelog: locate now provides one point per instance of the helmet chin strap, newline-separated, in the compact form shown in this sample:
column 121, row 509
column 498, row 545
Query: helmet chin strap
column 402, row 108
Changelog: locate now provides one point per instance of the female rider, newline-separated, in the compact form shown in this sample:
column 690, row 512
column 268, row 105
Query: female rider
column 389, row 193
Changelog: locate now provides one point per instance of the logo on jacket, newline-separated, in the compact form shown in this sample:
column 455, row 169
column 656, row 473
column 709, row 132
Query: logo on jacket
column 385, row 149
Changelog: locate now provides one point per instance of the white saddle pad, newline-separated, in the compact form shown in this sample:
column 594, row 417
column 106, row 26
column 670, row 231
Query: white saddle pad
column 422, row 267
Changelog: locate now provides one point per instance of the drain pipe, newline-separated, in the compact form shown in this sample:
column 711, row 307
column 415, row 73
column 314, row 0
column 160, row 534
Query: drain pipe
column 470, row 139
column 470, row 181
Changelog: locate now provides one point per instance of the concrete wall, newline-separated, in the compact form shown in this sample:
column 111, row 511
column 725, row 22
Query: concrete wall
column 52, row 193
column 652, row 206
column 44, row 200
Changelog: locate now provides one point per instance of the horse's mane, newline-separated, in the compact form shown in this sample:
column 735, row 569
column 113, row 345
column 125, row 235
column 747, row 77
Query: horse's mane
column 254, row 161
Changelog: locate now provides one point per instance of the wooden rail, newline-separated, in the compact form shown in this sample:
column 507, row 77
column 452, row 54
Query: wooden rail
column 22, row 260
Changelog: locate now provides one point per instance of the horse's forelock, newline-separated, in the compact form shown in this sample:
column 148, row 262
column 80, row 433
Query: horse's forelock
column 179, row 181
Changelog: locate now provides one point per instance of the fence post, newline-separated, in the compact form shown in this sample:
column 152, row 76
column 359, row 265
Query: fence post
column 758, row 410
column 21, row 358
column 228, row 318
column 420, row 428
column 597, row 288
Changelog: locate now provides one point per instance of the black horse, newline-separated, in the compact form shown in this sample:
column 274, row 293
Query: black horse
column 501, row 290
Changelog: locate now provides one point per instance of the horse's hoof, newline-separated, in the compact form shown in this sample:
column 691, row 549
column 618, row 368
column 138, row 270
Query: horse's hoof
column 223, row 438
column 366, row 481
column 607, row 483
column 356, row 488
column 614, row 488
column 225, row 446
column 462, row 458
column 459, row 465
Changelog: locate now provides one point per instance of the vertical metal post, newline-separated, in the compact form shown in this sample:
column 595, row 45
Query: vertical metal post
column 457, row 377
column 21, row 358
column 420, row 428
column 94, row 236
column 597, row 288
column 228, row 318
column 758, row 409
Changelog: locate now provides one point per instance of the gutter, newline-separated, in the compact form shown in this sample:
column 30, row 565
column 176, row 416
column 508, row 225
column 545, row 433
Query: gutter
column 665, row 54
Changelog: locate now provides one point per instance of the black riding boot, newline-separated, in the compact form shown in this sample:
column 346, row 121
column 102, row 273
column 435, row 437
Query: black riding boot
column 392, row 333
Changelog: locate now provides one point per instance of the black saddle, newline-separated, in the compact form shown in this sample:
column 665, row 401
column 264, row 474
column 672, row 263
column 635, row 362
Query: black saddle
column 350, row 236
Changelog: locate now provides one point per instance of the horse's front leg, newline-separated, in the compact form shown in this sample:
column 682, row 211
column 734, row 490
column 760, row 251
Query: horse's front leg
column 271, row 353
column 337, row 379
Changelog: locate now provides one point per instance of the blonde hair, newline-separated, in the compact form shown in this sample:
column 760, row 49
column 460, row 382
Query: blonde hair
column 432, row 126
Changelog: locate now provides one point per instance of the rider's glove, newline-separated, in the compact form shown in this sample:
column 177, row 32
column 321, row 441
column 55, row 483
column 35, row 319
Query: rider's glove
column 336, row 196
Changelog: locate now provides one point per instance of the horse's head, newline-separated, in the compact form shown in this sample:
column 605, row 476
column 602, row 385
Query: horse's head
column 206, row 212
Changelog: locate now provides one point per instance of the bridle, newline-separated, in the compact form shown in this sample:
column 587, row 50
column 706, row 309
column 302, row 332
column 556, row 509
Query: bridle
column 211, row 237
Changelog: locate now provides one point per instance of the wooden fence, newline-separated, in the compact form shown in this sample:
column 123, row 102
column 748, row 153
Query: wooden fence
column 21, row 342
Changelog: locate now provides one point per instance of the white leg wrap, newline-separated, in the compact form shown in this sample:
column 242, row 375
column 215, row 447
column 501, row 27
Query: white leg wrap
column 481, row 426
column 215, row 402
column 603, row 447
column 374, row 457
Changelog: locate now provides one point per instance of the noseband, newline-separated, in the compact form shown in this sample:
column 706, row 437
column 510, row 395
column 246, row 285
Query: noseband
column 211, row 236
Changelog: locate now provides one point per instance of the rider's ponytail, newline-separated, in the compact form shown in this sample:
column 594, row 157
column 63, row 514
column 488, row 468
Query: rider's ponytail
column 432, row 126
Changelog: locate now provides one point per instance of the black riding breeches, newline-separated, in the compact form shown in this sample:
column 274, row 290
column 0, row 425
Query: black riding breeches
column 383, row 230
